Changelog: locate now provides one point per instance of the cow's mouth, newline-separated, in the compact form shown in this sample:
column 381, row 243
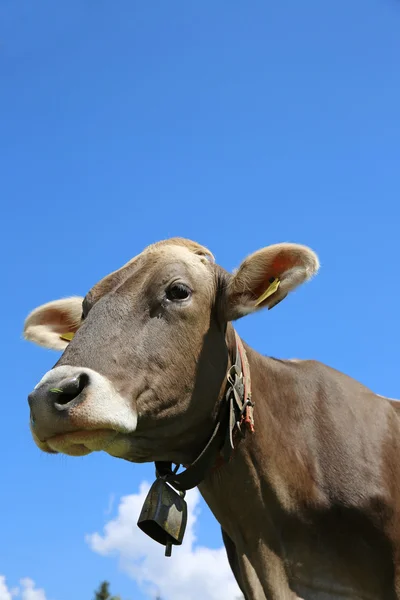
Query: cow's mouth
column 80, row 443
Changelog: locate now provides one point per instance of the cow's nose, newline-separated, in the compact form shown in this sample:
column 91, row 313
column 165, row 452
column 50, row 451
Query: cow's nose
column 62, row 395
column 50, row 404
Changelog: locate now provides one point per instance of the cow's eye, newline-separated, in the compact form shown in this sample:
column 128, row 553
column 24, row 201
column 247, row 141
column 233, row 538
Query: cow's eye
column 178, row 292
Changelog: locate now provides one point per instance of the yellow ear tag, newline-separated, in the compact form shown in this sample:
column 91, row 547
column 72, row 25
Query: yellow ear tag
column 67, row 337
column 270, row 290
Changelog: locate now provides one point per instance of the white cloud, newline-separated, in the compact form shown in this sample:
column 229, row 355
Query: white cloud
column 28, row 590
column 5, row 593
column 191, row 573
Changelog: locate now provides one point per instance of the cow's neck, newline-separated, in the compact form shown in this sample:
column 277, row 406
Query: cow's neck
column 249, row 478
column 246, row 494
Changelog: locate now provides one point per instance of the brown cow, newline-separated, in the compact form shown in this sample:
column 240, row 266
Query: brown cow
column 309, row 502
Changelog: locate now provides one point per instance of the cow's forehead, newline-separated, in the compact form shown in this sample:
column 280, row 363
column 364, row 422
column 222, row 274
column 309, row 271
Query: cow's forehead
column 190, row 245
column 195, row 256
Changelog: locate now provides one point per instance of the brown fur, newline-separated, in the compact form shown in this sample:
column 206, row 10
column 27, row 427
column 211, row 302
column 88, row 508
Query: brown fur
column 309, row 503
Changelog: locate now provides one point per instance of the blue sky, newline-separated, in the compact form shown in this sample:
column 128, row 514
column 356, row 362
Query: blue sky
column 234, row 124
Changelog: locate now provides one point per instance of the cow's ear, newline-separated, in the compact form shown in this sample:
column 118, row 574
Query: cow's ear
column 53, row 325
column 266, row 277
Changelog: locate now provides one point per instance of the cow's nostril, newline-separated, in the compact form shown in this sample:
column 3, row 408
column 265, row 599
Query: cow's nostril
column 68, row 389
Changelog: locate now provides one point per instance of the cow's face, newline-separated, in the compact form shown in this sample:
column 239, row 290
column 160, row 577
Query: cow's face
column 147, row 359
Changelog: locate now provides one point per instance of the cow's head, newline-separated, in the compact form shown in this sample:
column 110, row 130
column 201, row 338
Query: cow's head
column 145, row 352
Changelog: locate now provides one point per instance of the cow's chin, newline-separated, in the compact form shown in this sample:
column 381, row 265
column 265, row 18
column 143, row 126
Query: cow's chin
column 115, row 443
column 81, row 443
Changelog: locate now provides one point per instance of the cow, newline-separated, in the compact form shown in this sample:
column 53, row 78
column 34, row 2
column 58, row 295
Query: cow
column 297, row 461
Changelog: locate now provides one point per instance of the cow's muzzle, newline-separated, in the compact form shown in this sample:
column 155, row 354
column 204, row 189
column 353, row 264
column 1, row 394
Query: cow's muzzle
column 76, row 410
